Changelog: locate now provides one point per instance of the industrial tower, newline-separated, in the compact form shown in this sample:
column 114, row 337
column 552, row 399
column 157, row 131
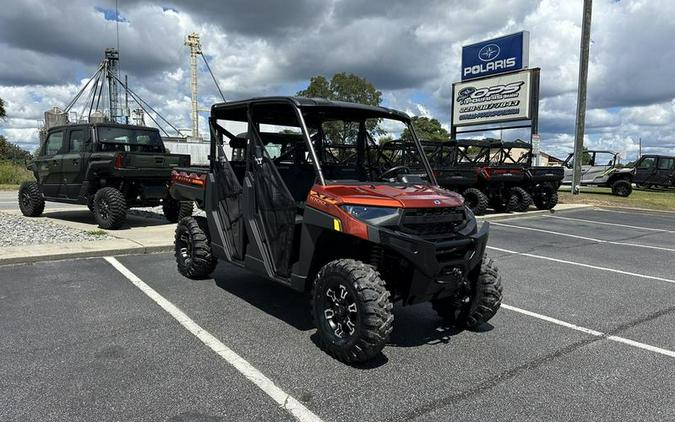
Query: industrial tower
column 192, row 41
column 112, row 57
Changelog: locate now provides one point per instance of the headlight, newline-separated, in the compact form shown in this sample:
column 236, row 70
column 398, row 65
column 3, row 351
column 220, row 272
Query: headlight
column 373, row 215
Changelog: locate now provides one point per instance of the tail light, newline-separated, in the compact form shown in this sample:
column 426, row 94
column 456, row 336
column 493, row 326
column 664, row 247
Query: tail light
column 186, row 178
column 119, row 160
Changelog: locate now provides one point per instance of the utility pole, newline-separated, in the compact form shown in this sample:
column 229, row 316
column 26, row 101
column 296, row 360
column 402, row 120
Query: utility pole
column 640, row 148
column 581, row 95
column 192, row 41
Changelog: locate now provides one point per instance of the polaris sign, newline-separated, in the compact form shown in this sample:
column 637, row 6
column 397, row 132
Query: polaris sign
column 501, row 98
column 498, row 55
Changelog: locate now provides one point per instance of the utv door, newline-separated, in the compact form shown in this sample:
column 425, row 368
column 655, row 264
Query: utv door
column 665, row 171
column 49, row 164
column 600, row 163
column 74, row 160
column 274, row 207
column 645, row 170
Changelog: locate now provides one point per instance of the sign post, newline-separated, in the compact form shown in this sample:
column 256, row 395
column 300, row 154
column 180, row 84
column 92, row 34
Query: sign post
column 581, row 95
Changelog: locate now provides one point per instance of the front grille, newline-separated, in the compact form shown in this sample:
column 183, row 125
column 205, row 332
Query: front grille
column 433, row 223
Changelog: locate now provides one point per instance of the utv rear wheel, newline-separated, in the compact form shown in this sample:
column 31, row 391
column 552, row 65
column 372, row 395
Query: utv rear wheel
column 475, row 200
column 193, row 248
column 524, row 199
column 31, row 201
column 508, row 203
column 352, row 310
column 110, row 208
column 477, row 306
column 174, row 211
column 622, row 187
column 545, row 197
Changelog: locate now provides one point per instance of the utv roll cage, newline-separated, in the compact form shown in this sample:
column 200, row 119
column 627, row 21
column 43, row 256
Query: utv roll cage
column 308, row 147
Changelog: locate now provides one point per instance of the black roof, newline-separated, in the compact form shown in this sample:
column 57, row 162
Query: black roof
column 318, row 104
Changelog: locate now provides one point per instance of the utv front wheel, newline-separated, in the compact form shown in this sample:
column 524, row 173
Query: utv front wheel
column 622, row 187
column 31, row 201
column 352, row 310
column 475, row 200
column 110, row 208
column 478, row 305
column 174, row 210
column 193, row 248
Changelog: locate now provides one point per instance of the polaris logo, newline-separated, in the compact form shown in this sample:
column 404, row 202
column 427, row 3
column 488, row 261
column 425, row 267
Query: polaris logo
column 490, row 66
column 489, row 52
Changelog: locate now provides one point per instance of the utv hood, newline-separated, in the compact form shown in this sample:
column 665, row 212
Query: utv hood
column 418, row 196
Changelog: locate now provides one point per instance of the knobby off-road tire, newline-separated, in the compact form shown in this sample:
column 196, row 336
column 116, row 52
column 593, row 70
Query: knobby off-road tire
column 352, row 310
column 546, row 197
column 524, row 198
column 508, row 204
column 194, row 257
column 485, row 298
column 475, row 200
column 622, row 187
column 31, row 202
column 110, row 208
column 174, row 211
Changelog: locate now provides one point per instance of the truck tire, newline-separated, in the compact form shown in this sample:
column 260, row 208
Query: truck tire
column 174, row 211
column 501, row 204
column 545, row 197
column 479, row 305
column 110, row 208
column 193, row 248
column 475, row 200
column 352, row 310
column 31, row 201
column 622, row 187
column 524, row 198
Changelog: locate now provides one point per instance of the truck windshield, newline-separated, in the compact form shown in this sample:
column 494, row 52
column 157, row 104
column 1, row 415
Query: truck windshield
column 128, row 139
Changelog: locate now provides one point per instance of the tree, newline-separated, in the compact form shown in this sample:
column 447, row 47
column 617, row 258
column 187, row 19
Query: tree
column 344, row 87
column 427, row 129
column 11, row 152
column 3, row 114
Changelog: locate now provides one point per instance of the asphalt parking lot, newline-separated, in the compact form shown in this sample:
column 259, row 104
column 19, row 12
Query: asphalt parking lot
column 586, row 333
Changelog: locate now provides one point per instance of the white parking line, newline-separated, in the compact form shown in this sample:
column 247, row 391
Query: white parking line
column 613, row 224
column 283, row 399
column 595, row 333
column 591, row 239
column 579, row 264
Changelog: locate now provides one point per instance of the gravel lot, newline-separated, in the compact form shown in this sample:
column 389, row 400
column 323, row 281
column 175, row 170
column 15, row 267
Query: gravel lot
column 19, row 230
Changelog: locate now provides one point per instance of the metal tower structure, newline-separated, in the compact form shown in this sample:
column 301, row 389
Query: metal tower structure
column 192, row 41
column 112, row 57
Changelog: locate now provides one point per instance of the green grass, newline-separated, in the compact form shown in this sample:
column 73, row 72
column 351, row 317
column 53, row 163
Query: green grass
column 11, row 175
column 651, row 199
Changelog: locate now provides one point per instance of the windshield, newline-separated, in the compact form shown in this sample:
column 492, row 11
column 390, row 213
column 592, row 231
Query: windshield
column 129, row 139
column 365, row 149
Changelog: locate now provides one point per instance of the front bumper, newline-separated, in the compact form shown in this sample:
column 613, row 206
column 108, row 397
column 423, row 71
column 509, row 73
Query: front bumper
column 440, row 267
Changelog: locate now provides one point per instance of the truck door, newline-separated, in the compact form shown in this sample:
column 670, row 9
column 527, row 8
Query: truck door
column 49, row 163
column 644, row 171
column 74, row 162
column 274, row 209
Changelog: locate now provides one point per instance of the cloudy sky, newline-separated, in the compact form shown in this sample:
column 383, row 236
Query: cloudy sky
column 409, row 49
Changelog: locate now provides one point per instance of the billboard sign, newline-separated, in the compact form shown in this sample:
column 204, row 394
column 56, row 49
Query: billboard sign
column 504, row 54
column 500, row 98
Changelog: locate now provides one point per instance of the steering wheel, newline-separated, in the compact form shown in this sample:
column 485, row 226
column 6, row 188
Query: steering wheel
column 394, row 171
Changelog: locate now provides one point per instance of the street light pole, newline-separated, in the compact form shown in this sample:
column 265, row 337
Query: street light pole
column 581, row 95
